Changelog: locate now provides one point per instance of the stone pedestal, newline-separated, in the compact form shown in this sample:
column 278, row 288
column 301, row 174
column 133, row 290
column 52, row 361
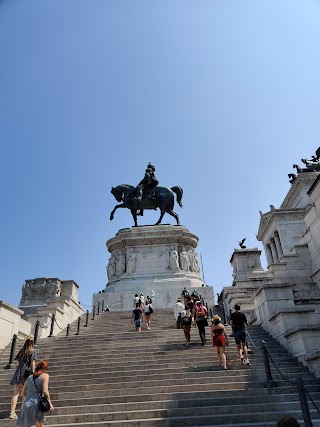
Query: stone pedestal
column 42, row 297
column 159, row 260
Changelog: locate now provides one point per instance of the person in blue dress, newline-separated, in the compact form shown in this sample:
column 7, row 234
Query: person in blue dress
column 35, row 385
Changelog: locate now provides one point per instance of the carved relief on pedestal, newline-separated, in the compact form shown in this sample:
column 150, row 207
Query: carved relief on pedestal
column 250, row 263
column 194, row 262
column 131, row 263
column 120, row 264
column 184, row 261
column 41, row 288
column 111, row 268
column 174, row 260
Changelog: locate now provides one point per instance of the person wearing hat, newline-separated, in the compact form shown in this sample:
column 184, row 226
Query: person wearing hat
column 177, row 312
column 200, row 313
column 219, row 340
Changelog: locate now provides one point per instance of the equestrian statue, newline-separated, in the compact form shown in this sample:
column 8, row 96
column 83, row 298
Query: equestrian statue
column 147, row 195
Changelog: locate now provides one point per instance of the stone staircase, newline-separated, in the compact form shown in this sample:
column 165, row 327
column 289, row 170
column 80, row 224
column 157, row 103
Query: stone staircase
column 109, row 375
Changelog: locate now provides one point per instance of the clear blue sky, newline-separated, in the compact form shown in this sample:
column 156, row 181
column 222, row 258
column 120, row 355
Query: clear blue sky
column 221, row 96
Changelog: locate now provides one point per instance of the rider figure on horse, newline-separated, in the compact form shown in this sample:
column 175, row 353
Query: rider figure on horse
column 149, row 182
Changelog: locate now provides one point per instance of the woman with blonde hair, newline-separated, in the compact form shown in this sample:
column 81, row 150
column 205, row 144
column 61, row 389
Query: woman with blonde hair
column 36, row 385
column 219, row 340
column 26, row 363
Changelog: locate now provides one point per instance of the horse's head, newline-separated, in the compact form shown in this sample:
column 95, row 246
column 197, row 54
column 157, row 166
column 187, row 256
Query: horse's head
column 117, row 194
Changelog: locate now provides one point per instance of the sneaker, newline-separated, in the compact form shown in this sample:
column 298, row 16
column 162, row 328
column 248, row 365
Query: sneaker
column 13, row 416
column 247, row 362
column 242, row 360
column 188, row 344
column 148, row 328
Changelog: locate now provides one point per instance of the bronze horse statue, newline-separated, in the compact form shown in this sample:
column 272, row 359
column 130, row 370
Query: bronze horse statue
column 163, row 199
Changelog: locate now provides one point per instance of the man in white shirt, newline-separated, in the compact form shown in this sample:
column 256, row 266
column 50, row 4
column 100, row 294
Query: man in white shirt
column 177, row 312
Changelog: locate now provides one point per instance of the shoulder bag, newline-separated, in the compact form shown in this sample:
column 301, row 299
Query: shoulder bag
column 44, row 405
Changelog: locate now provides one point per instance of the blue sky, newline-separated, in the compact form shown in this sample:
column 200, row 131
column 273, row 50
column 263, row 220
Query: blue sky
column 221, row 96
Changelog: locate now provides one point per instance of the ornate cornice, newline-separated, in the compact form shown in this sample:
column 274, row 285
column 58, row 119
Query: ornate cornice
column 152, row 235
column 288, row 214
column 303, row 180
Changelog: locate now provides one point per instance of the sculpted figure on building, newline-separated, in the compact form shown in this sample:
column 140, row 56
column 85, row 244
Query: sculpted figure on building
column 173, row 260
column 194, row 263
column 41, row 288
column 120, row 264
column 111, row 269
column 131, row 263
column 184, row 261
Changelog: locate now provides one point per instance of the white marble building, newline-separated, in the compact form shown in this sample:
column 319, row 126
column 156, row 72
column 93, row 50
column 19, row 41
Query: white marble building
column 285, row 299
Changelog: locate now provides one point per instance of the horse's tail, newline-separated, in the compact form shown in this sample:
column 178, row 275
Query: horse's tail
column 179, row 192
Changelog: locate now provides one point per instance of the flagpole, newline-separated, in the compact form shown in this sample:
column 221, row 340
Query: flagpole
column 202, row 269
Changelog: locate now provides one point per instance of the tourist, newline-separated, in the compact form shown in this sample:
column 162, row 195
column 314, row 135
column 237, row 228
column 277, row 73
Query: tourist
column 137, row 316
column 26, row 363
column 136, row 300
column 190, row 305
column 219, row 339
column 177, row 312
column 36, row 384
column 195, row 294
column 186, row 324
column 288, row 421
column 238, row 322
column 200, row 313
column 185, row 294
column 147, row 311
column 141, row 300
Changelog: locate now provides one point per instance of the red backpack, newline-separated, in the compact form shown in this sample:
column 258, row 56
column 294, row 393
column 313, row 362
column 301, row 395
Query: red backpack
column 200, row 312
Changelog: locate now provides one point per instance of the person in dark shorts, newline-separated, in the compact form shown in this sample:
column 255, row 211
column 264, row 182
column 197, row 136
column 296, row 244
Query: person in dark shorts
column 137, row 316
column 200, row 313
column 238, row 322
column 186, row 324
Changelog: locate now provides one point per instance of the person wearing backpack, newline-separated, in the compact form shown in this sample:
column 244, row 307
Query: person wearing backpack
column 185, row 295
column 200, row 313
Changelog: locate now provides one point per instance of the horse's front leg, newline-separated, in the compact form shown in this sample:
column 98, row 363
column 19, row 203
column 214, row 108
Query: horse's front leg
column 161, row 216
column 115, row 208
column 134, row 215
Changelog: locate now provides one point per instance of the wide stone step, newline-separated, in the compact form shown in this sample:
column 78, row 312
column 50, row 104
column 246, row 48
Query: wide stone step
column 153, row 345
column 152, row 379
column 284, row 393
column 105, row 377
column 97, row 413
column 259, row 419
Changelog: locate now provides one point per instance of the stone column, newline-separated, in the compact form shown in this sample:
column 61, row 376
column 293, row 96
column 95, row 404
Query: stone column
column 274, row 250
column 269, row 254
column 278, row 244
